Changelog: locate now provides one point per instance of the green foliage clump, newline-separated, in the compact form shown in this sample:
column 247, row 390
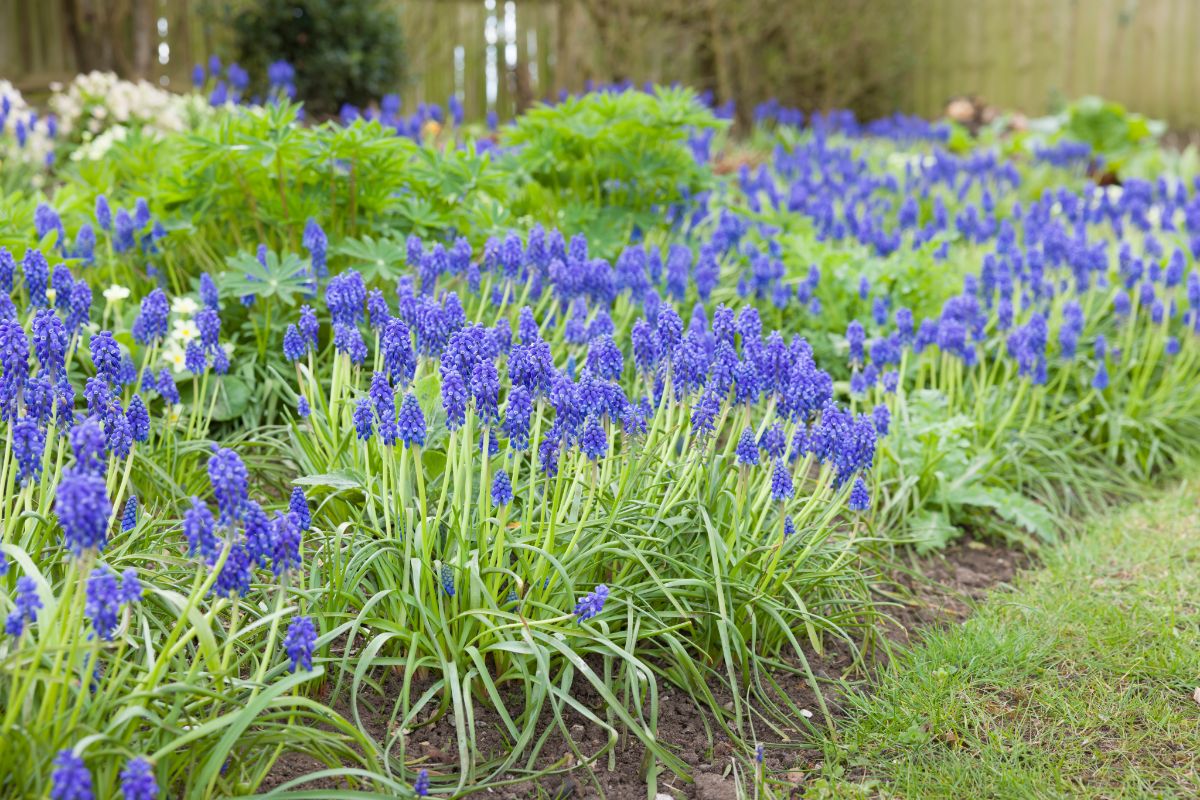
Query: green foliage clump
column 1108, row 127
column 607, row 163
column 344, row 51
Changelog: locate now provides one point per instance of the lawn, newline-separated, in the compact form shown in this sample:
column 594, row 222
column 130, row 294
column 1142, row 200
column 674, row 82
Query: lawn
column 1080, row 681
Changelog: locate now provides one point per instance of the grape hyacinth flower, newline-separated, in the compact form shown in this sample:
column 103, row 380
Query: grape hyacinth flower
column 882, row 418
column 8, row 268
column 302, row 407
column 166, row 387
column 256, row 528
column 299, row 642
column 129, row 518
column 70, row 779
column 747, row 449
column 103, row 601
column 347, row 340
column 285, row 543
column 28, row 444
column 50, row 342
column 517, row 414
column 294, row 347
column 592, row 603
column 195, row 360
column 138, row 418
column 123, row 232
column 593, row 442
column 855, row 337
column 316, row 244
column 198, row 529
column 37, row 277
column 106, row 356
column 83, row 507
column 25, row 607
column 209, row 295
column 141, row 211
column 151, row 323
column 237, row 572
column 308, row 325
column 208, row 323
column 364, row 419
column 131, row 587
column 704, row 413
column 860, row 497
column 103, row 213
column 228, row 477
column 421, row 786
column 298, row 506
column 502, row 491
column 87, row 445
column 446, row 576
column 454, row 400
column 782, row 487
column 138, row 781
column 773, row 442
column 411, row 421
column 485, row 389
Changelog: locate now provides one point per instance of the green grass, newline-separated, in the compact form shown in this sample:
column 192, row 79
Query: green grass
column 1077, row 683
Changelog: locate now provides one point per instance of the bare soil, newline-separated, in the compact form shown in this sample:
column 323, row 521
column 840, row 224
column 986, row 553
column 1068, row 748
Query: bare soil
column 953, row 580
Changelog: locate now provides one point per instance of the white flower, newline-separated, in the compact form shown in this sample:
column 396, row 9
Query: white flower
column 115, row 293
column 51, row 295
column 174, row 357
column 184, row 306
column 185, row 330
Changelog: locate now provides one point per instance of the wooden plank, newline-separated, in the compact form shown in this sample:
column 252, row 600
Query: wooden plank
column 1162, row 36
column 472, row 42
column 1190, row 84
column 1172, row 15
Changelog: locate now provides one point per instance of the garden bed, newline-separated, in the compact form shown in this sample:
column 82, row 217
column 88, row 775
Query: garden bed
column 602, row 435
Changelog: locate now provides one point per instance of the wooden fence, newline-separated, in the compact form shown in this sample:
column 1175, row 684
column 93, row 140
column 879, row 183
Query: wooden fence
column 1031, row 54
column 501, row 54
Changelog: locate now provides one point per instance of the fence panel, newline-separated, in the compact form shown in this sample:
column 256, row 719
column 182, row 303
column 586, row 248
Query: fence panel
column 500, row 55
column 1033, row 54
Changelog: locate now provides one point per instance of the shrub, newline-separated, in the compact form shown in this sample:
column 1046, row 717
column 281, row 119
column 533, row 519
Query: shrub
column 344, row 51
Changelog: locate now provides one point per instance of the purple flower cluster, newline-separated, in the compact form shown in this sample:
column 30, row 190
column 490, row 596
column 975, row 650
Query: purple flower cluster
column 299, row 642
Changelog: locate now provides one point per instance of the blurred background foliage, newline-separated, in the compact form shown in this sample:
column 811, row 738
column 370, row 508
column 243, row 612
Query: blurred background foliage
column 872, row 56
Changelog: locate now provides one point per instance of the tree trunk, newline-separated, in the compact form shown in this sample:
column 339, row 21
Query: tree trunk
column 144, row 37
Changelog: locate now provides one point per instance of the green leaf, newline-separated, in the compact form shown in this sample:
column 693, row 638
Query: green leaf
column 931, row 530
column 233, row 400
column 284, row 277
column 1012, row 506
column 375, row 259
column 340, row 480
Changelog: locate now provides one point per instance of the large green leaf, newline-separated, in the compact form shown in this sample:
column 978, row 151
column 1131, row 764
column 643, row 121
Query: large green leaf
column 285, row 277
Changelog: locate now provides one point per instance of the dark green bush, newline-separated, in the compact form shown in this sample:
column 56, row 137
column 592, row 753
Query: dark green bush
column 344, row 51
